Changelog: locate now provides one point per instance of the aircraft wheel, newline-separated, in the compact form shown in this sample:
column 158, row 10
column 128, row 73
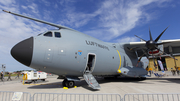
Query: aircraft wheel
column 70, row 84
column 64, row 83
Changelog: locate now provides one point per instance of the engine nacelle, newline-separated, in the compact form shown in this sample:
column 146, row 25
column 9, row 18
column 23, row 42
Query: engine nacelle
column 158, row 51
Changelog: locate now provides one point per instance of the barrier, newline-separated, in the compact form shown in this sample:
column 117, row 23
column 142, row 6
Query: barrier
column 14, row 96
column 24, row 96
column 75, row 97
column 152, row 97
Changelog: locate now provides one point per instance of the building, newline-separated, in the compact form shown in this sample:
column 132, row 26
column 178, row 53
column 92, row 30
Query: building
column 168, row 63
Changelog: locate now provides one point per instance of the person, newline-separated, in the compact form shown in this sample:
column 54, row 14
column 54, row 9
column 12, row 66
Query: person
column 163, row 73
column 89, row 66
column 17, row 75
column 2, row 76
column 9, row 77
column 150, row 71
column 161, row 65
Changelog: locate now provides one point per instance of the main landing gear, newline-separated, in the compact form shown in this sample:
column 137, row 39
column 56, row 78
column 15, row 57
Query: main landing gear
column 69, row 84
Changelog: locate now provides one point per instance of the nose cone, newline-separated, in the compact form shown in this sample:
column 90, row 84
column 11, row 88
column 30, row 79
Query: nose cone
column 23, row 51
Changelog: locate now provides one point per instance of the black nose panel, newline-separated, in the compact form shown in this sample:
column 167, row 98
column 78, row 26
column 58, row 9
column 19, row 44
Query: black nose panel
column 23, row 51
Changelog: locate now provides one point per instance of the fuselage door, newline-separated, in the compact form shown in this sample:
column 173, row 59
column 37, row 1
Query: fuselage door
column 88, row 77
column 91, row 61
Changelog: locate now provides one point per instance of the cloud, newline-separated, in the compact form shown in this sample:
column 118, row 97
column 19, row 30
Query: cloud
column 32, row 7
column 77, row 20
column 119, row 17
column 14, row 29
column 46, row 2
column 6, row 2
column 127, row 39
column 113, row 18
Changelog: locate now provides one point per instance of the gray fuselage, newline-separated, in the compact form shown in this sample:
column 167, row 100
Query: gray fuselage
column 68, row 55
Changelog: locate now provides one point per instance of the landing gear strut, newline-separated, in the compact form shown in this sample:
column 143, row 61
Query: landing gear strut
column 68, row 84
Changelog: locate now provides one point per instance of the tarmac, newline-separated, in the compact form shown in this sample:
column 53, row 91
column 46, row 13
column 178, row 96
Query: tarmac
column 120, row 85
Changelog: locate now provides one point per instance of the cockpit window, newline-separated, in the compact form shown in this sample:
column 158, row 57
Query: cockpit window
column 48, row 34
column 57, row 34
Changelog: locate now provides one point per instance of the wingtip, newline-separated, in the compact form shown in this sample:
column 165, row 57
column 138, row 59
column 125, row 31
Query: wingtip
column 6, row 11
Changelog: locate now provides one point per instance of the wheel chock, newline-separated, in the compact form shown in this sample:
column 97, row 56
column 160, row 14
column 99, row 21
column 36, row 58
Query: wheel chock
column 65, row 87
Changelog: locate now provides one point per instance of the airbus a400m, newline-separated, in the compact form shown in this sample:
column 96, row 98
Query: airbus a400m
column 72, row 54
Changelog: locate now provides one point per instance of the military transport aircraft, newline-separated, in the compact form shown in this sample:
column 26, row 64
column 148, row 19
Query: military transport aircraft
column 72, row 54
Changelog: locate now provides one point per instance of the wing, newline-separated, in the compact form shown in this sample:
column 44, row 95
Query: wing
column 169, row 46
column 172, row 46
column 41, row 21
column 135, row 46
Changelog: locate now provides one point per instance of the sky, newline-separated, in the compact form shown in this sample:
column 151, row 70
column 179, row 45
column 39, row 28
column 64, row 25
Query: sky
column 107, row 20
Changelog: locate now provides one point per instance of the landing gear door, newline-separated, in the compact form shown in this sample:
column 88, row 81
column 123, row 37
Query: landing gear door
column 90, row 64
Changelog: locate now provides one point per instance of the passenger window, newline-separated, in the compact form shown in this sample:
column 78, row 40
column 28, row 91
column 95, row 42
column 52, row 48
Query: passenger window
column 48, row 34
column 57, row 34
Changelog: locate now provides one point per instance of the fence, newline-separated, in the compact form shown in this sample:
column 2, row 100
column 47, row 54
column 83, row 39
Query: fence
column 75, row 97
column 14, row 96
column 152, row 97
column 24, row 96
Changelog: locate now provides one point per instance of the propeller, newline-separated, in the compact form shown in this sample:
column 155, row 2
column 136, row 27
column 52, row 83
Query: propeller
column 151, row 44
column 144, row 53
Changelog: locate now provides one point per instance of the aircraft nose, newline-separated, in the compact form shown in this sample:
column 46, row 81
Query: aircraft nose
column 23, row 51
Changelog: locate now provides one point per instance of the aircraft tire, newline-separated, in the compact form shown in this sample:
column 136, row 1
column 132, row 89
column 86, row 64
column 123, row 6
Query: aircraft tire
column 64, row 83
column 70, row 84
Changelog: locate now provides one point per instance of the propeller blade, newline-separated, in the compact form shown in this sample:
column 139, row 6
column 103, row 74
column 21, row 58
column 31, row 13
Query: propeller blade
column 154, row 61
column 160, row 35
column 139, row 60
column 168, row 54
column 140, row 38
column 144, row 53
column 150, row 34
